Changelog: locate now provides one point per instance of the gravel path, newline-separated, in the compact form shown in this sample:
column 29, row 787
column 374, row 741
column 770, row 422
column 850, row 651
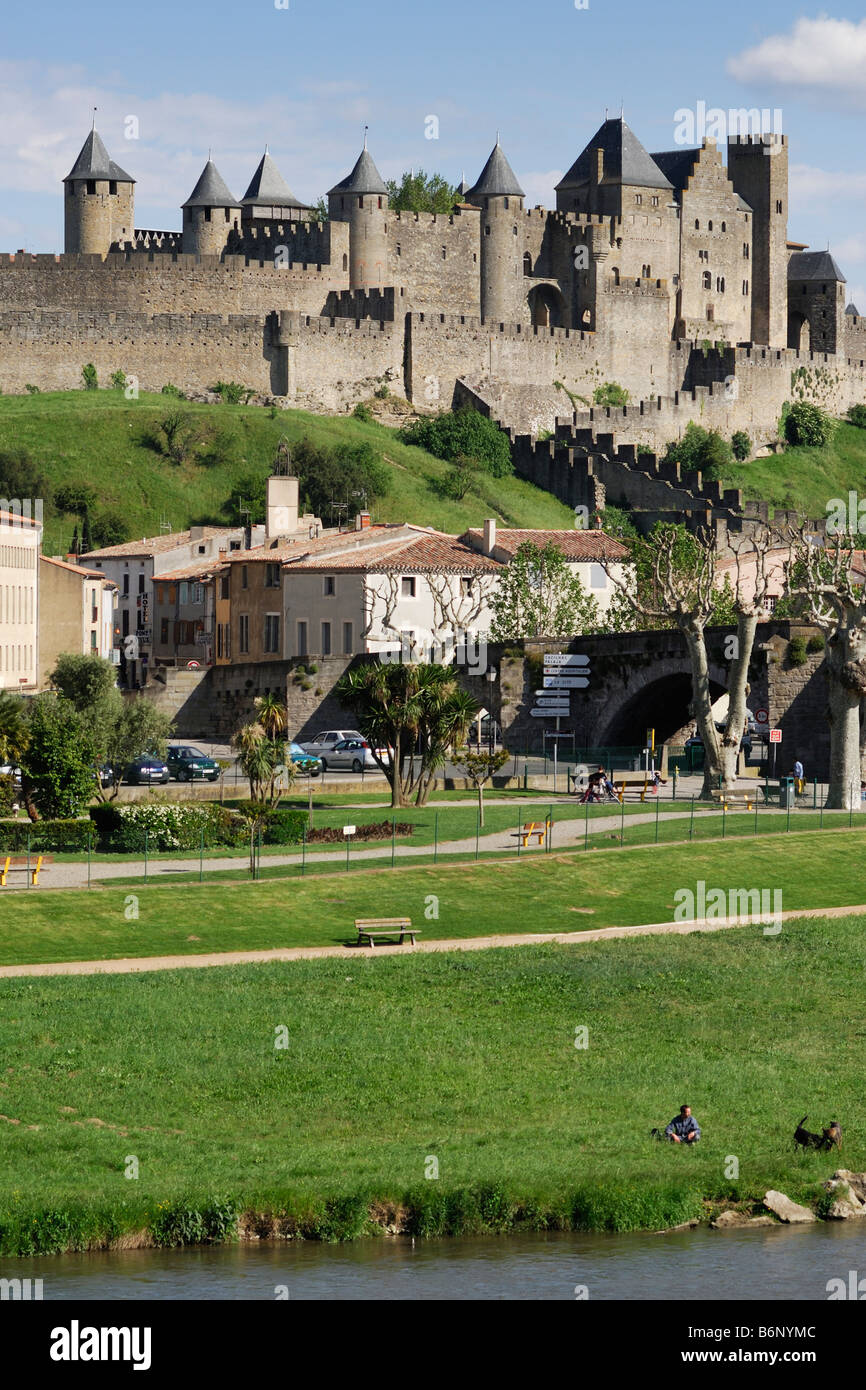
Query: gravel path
column 137, row 965
column 566, row 833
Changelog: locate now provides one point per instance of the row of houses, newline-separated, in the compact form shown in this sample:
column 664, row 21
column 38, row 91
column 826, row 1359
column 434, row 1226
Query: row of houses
column 292, row 589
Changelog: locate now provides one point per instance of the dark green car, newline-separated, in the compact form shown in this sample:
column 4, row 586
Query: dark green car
column 187, row 764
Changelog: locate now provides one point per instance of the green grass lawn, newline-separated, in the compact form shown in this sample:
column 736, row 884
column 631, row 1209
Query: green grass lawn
column 468, row 1060
column 805, row 479
column 95, row 437
column 539, row 893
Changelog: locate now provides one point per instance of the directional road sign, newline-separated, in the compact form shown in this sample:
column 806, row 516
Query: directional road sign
column 564, row 659
column 565, row 682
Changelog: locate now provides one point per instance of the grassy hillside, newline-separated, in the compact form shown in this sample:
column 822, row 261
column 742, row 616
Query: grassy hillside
column 806, row 479
column 99, row 438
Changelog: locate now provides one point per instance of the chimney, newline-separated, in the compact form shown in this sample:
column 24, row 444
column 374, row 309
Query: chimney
column 362, row 521
column 196, row 533
column 489, row 536
column 282, row 513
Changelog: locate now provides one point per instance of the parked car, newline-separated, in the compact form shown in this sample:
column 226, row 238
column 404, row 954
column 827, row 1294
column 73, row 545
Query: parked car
column 105, row 773
column 303, row 761
column 186, row 764
column 323, row 743
column 146, row 770
column 352, row 753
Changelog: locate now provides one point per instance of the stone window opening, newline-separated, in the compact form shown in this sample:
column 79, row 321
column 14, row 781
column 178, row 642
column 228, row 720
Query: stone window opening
column 711, row 313
column 487, row 231
column 228, row 214
column 444, row 253
column 655, row 201
column 724, row 226
column 360, row 202
column 506, row 204
column 527, row 263
column 745, row 250
column 697, row 224
column 399, row 249
column 207, row 214
column 745, row 287
column 407, row 586
column 112, row 186
column 638, row 198
column 346, row 259
column 779, row 205
column 709, row 226
column 707, row 280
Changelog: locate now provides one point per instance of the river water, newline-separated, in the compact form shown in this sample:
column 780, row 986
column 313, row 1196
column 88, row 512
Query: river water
column 768, row 1263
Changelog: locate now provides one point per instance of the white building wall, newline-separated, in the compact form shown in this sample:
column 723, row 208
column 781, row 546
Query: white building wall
column 20, row 542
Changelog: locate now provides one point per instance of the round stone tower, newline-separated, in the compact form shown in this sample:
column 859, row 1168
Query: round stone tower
column 99, row 202
column 210, row 214
column 500, row 198
column 362, row 201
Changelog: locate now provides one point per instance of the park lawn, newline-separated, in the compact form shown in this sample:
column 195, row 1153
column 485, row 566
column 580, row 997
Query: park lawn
column 539, row 893
column 97, row 438
column 387, row 1063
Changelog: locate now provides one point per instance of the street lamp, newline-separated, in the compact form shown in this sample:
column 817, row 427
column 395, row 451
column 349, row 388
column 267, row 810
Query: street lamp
column 491, row 728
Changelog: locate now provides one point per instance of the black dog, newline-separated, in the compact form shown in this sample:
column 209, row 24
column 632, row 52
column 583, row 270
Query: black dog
column 827, row 1139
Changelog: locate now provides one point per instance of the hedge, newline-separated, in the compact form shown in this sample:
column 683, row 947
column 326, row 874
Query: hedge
column 45, row 836
column 167, row 825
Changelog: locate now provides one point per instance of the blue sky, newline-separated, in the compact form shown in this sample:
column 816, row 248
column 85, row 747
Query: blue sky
column 307, row 78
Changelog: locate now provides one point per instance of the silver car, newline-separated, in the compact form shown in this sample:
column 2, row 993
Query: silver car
column 326, row 742
column 354, row 754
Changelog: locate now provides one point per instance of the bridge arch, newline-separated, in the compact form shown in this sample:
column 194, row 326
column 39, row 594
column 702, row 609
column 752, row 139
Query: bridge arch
column 546, row 307
column 661, row 704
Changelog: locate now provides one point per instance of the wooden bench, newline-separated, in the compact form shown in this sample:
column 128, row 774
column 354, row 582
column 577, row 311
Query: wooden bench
column 18, row 864
column 641, row 785
column 372, row 928
column 734, row 798
column 526, row 832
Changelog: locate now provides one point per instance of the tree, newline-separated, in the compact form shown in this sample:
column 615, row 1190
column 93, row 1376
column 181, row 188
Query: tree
column 820, row 580
column 14, row 732
column 272, row 715
column 76, row 498
column 808, row 424
column 741, row 445
column 610, row 394
column 410, row 714
column 700, row 451
column 83, row 680
column 479, row 768
column 421, row 192
column 22, row 478
column 322, row 214
column 263, row 762
column 537, row 595
column 121, row 730
column 464, row 431
column 680, row 589
column 459, row 479
column 57, row 764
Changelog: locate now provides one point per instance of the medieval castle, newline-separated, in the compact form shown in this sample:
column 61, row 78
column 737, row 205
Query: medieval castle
column 670, row 274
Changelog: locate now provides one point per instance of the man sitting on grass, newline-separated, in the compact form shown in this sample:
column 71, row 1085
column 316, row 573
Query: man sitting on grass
column 684, row 1128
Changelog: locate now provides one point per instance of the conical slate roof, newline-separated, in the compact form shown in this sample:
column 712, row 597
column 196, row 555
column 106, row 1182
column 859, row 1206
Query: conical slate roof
column 268, row 188
column 853, row 310
column 814, row 265
column 364, row 178
column 497, row 179
column 625, row 160
column 93, row 162
column 210, row 191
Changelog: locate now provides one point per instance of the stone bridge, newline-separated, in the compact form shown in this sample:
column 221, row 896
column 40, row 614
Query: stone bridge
column 642, row 680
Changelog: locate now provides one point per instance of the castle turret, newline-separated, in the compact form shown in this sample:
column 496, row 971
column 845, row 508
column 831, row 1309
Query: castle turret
column 362, row 201
column 99, row 202
column 500, row 198
column 758, row 169
column 269, row 198
column 210, row 214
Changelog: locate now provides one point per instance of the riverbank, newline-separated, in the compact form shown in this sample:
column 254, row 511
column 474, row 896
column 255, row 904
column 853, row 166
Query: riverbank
column 440, row 1094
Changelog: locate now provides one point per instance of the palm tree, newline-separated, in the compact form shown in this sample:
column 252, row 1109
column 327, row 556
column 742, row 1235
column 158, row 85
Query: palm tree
column 414, row 710
column 272, row 715
column 14, row 738
column 262, row 763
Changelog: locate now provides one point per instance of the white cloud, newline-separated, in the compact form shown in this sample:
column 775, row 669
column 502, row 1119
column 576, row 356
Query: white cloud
column 852, row 248
column 817, row 53
column 539, row 187
column 45, row 116
column 808, row 182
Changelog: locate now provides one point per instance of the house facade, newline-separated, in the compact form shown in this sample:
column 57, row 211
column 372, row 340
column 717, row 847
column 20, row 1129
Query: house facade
column 20, row 541
column 76, row 614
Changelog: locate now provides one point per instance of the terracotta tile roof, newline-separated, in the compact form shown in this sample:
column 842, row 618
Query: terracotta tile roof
column 200, row 571
column 338, row 542
column 426, row 550
column 575, row 545
column 78, row 569
column 155, row 545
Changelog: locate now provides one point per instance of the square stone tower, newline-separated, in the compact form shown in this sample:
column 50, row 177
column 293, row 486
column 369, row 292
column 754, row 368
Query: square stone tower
column 758, row 170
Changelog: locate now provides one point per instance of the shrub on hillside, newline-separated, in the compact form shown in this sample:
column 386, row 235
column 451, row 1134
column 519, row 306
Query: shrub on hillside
column 464, row 431
column 808, row 424
column 857, row 416
column 741, row 446
column 232, row 392
column 700, row 450
column 797, row 651
column 89, row 377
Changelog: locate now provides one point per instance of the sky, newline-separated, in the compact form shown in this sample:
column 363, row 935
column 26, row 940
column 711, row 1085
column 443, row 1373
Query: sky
column 173, row 80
